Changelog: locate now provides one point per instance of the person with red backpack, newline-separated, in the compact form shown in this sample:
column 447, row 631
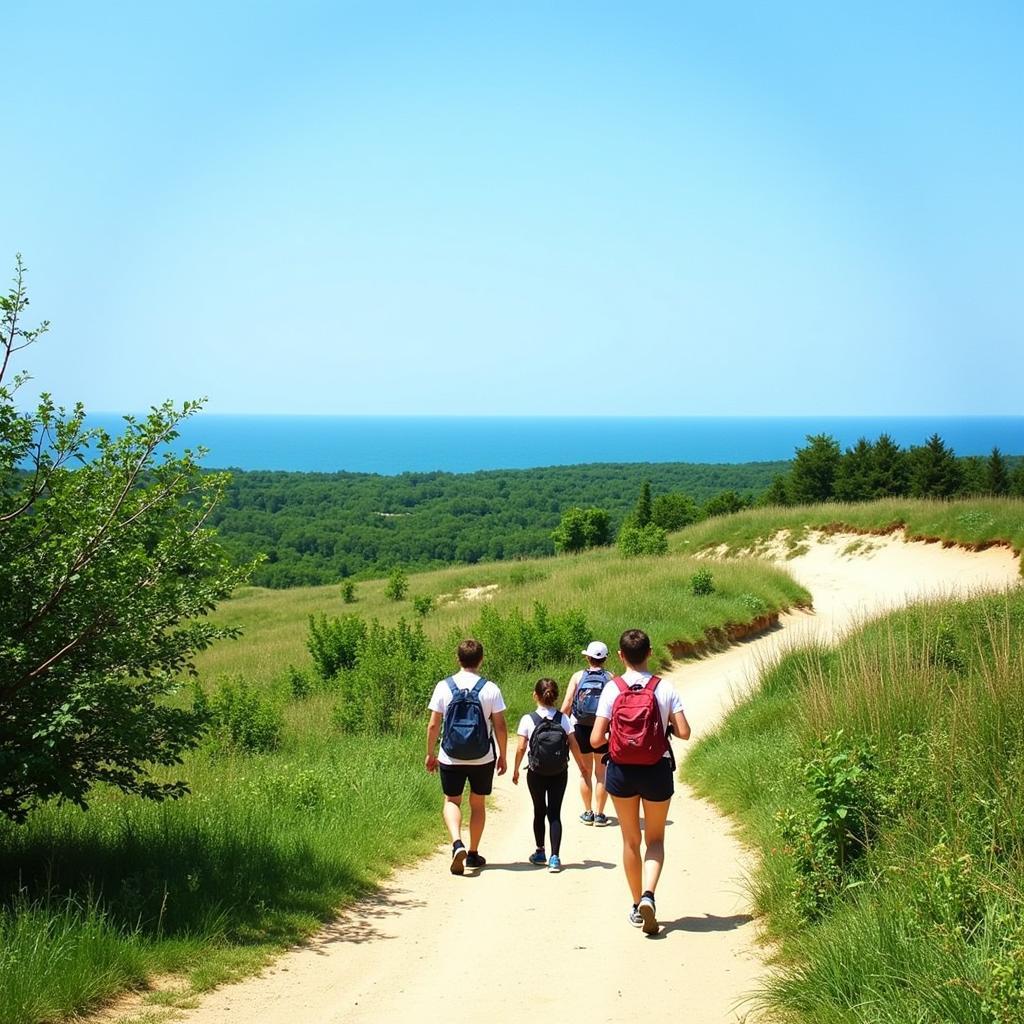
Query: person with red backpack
column 581, row 699
column 472, row 711
column 547, row 736
column 635, row 714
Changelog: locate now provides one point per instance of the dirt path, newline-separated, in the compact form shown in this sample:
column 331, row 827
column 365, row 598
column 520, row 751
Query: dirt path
column 434, row 948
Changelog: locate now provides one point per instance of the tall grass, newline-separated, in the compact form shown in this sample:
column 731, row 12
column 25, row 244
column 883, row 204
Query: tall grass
column 271, row 843
column 913, row 728
column 973, row 522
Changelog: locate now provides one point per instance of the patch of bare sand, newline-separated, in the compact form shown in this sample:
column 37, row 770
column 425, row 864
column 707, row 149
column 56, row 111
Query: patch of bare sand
column 518, row 942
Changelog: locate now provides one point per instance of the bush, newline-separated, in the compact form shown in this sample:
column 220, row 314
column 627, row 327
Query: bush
column 642, row 540
column 299, row 683
column 398, row 585
column 702, row 584
column 348, row 592
column 244, row 719
column 423, row 605
column 334, row 643
column 515, row 643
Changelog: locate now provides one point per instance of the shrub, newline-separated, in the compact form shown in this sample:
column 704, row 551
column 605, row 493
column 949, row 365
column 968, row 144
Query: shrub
column 642, row 540
column 516, row 643
column 299, row 683
column 423, row 605
column 398, row 585
column 348, row 592
column 244, row 719
column 334, row 643
column 702, row 584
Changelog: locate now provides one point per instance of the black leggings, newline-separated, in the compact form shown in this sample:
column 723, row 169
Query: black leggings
column 547, row 792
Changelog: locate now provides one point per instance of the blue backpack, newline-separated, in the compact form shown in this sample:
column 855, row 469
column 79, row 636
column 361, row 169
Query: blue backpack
column 466, row 732
column 588, row 694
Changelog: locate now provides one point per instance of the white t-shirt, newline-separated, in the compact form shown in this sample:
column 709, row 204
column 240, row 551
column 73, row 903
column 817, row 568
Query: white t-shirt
column 491, row 701
column 527, row 724
column 668, row 700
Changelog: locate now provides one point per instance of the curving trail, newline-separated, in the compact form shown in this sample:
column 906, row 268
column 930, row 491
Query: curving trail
column 518, row 943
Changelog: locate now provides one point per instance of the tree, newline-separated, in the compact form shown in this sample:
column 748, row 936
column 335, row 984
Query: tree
column 889, row 469
column 777, row 494
column 724, row 504
column 642, row 540
column 1017, row 481
column 107, row 573
column 582, row 528
column 398, row 584
column 854, row 474
column 998, row 474
column 673, row 511
column 934, row 471
column 814, row 470
column 642, row 514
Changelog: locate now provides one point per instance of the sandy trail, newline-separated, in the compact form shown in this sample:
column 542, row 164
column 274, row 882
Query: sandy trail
column 516, row 942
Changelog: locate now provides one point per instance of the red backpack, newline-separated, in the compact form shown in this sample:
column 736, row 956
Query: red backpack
column 637, row 733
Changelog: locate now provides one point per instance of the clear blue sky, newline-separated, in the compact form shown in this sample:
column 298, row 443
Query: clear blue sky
column 540, row 208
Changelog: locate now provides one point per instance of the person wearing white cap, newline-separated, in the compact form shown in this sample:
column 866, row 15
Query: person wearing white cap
column 581, row 699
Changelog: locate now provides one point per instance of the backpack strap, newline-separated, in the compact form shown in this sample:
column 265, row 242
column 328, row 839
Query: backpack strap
column 537, row 718
column 621, row 684
column 451, row 686
column 478, row 686
column 652, row 683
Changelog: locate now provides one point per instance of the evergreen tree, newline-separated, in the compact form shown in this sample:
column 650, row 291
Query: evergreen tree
column 777, row 494
column 854, row 479
column 998, row 474
column 814, row 468
column 1017, row 482
column 934, row 470
column 642, row 515
column 889, row 469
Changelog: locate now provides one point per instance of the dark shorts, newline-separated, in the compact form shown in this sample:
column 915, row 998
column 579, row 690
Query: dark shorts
column 455, row 776
column 583, row 739
column 655, row 782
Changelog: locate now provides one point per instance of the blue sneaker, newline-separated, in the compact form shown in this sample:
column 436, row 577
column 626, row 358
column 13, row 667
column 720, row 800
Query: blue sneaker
column 539, row 857
column 554, row 864
column 600, row 820
column 587, row 817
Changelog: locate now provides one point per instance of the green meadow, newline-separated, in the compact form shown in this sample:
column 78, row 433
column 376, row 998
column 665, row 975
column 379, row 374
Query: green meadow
column 292, row 812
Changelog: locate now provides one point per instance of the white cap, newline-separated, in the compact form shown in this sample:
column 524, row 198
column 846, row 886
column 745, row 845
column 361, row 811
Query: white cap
column 596, row 650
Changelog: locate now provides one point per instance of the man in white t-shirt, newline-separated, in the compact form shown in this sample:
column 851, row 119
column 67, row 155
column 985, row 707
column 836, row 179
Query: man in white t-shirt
column 630, row 784
column 481, row 706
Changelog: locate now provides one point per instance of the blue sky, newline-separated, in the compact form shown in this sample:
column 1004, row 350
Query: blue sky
column 639, row 208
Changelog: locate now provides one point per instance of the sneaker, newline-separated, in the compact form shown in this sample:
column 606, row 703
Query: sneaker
column 459, row 855
column 648, row 917
column 538, row 857
column 635, row 919
column 474, row 860
column 600, row 819
column 554, row 864
column 587, row 817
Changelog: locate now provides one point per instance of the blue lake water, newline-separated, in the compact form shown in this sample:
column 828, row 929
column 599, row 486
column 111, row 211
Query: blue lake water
column 395, row 444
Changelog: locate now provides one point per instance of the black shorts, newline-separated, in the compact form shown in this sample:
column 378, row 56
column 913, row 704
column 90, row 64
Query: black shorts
column 655, row 782
column 455, row 776
column 583, row 739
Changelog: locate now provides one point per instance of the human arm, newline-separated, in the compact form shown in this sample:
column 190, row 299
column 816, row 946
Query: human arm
column 433, row 731
column 520, row 753
column 570, row 692
column 599, row 734
column 500, row 739
column 680, row 726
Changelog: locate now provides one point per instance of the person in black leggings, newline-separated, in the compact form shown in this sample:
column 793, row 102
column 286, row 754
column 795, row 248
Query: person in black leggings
column 547, row 790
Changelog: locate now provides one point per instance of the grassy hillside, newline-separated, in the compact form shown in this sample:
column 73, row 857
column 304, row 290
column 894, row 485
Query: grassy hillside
column 289, row 817
column 972, row 522
column 892, row 830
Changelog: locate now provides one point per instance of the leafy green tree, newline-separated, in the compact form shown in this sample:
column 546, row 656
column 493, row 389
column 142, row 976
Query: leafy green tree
column 1017, row 482
column 814, row 469
column 889, row 469
column 642, row 540
column 423, row 605
column 777, row 494
column 854, row 477
column 673, row 511
column 582, row 528
column 642, row 514
column 107, row 573
column 934, row 470
column 398, row 585
column 724, row 504
column 348, row 592
column 998, row 474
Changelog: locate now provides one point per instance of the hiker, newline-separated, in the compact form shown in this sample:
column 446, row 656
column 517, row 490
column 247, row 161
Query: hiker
column 547, row 735
column 581, row 698
column 472, row 710
column 634, row 714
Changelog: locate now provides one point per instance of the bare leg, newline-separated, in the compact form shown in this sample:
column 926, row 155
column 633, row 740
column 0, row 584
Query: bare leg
column 586, row 792
column 600, row 793
column 477, row 818
column 627, row 809
column 655, row 815
column 452, row 813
